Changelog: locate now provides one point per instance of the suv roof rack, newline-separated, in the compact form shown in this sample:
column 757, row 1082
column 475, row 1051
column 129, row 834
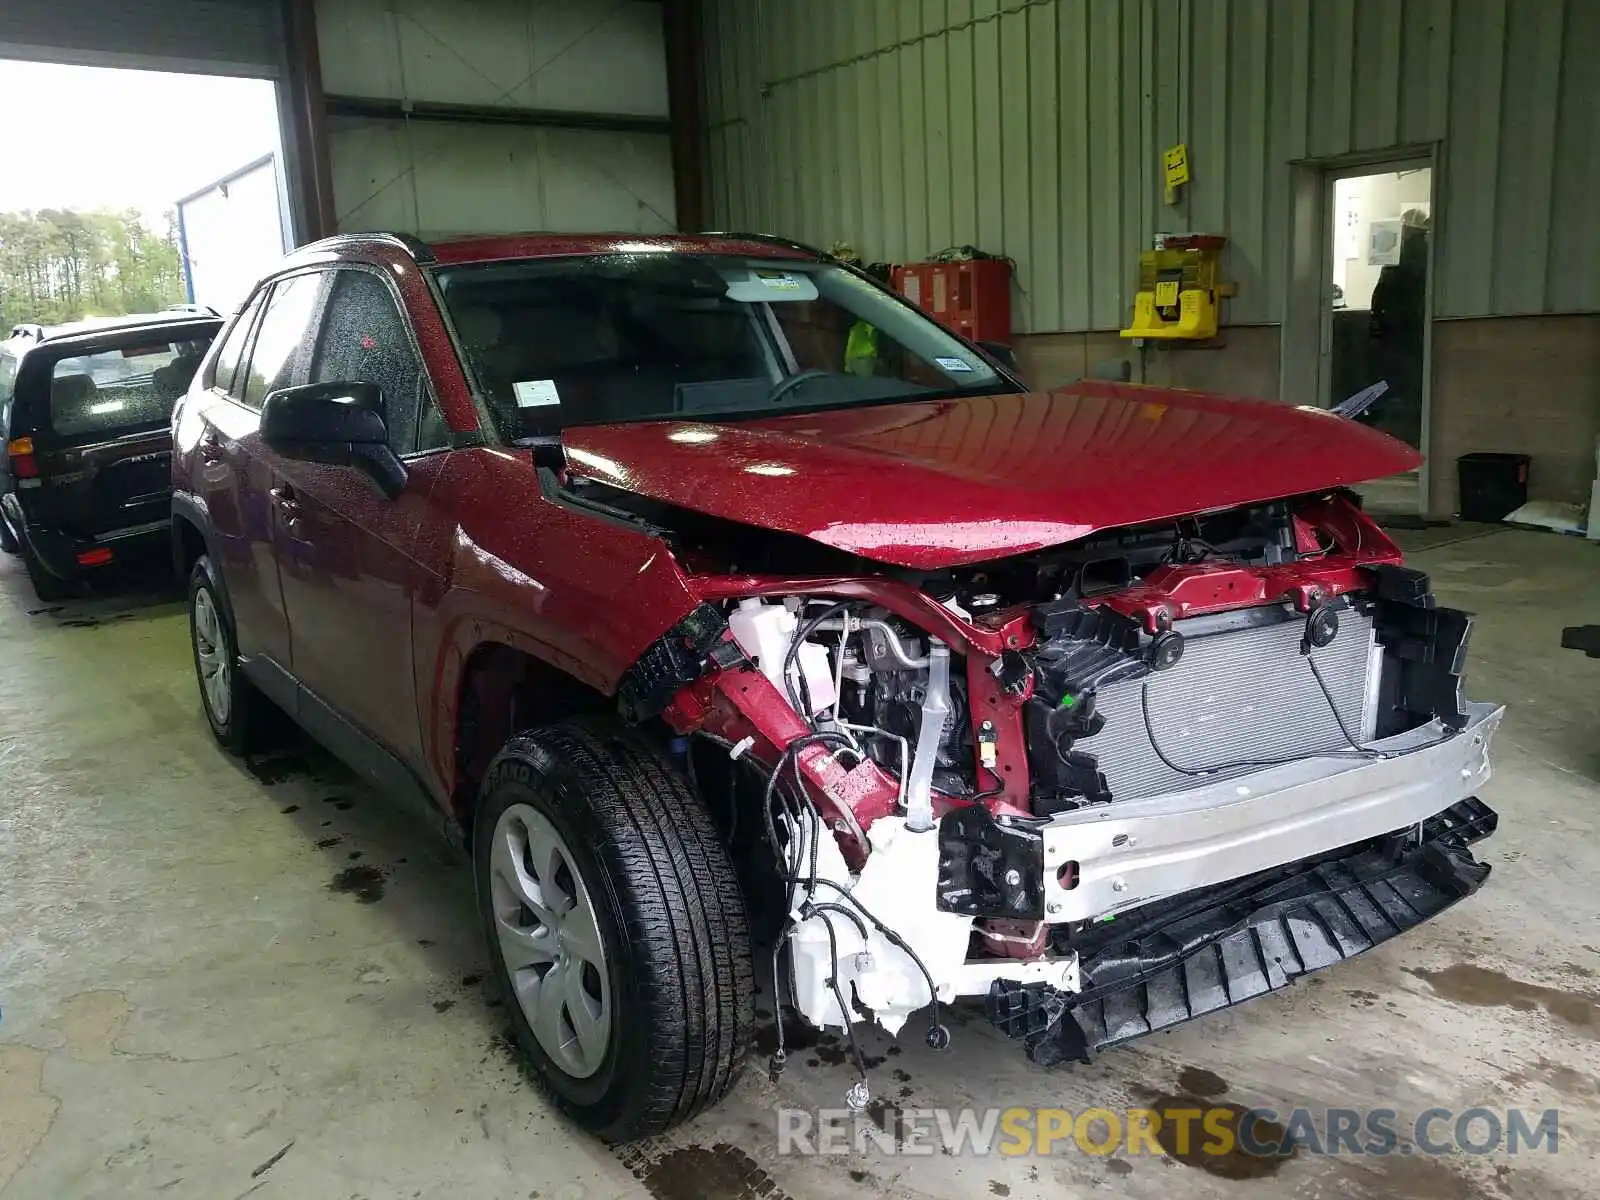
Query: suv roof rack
column 770, row 239
column 201, row 310
column 409, row 242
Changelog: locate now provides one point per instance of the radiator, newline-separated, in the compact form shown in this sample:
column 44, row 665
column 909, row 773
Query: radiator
column 1238, row 695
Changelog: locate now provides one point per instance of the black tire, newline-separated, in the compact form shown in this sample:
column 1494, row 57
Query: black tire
column 670, row 915
column 49, row 588
column 8, row 540
column 247, row 725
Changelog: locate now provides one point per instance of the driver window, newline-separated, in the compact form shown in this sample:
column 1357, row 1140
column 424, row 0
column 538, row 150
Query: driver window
column 365, row 336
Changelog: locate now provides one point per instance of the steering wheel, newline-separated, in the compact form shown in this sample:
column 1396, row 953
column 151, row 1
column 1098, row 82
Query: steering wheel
column 790, row 382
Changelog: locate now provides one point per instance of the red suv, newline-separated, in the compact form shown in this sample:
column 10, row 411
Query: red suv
column 685, row 578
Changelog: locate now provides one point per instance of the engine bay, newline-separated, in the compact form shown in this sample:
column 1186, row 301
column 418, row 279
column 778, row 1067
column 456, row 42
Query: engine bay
column 943, row 755
column 1090, row 634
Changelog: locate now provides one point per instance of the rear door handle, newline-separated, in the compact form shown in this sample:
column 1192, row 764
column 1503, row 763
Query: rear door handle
column 211, row 451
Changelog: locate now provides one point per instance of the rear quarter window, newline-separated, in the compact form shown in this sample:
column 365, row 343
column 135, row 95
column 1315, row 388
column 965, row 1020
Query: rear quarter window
column 122, row 388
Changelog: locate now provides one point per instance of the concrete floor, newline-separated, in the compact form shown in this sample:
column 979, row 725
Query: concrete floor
column 193, row 979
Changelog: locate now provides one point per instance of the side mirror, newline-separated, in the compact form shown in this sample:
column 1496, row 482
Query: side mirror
column 339, row 424
column 1001, row 353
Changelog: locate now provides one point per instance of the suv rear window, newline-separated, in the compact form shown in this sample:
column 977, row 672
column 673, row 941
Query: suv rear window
column 121, row 388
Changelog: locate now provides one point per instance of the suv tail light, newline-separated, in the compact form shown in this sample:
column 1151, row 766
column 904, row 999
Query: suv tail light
column 23, row 465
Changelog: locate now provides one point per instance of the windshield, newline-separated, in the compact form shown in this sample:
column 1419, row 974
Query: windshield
column 629, row 337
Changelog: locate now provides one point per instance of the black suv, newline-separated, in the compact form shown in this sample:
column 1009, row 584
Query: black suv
column 85, row 439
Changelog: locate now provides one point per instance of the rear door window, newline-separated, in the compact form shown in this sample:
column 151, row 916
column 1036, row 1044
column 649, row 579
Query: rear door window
column 122, row 388
column 232, row 348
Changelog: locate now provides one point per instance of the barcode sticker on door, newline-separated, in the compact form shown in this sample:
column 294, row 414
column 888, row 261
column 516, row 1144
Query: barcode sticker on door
column 536, row 393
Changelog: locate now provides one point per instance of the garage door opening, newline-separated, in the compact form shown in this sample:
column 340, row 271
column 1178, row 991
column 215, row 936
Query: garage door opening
column 116, row 186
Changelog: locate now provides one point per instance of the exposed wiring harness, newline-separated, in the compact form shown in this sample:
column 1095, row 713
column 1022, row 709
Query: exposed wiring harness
column 791, row 677
column 799, row 811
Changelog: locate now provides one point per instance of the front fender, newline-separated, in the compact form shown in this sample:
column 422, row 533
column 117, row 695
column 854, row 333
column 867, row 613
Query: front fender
column 585, row 595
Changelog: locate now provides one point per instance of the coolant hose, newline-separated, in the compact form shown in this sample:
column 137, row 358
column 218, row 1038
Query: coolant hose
column 935, row 710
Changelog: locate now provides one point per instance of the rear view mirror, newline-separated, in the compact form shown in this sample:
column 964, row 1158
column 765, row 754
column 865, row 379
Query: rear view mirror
column 339, row 424
column 1001, row 353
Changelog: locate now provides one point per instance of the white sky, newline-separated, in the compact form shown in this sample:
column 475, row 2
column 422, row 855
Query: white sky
column 98, row 137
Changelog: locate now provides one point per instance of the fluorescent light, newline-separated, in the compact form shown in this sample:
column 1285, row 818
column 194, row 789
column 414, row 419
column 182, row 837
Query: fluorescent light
column 107, row 406
column 769, row 469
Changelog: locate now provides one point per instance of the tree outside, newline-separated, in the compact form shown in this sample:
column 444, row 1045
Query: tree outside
column 59, row 265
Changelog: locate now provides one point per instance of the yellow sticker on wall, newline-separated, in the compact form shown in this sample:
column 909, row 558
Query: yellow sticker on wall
column 1166, row 293
column 1176, row 162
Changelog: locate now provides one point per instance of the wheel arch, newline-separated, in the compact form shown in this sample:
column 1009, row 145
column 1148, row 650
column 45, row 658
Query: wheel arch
column 191, row 537
column 503, row 689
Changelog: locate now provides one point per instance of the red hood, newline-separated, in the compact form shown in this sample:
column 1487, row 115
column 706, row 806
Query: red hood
column 946, row 482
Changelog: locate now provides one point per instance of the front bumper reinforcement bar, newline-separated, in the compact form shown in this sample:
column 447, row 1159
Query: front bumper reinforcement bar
column 1130, row 853
column 1180, row 958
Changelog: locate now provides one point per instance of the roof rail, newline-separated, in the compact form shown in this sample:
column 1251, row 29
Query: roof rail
column 770, row 239
column 409, row 242
column 204, row 310
column 28, row 329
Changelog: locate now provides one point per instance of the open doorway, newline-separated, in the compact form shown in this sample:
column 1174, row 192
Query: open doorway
column 1379, row 231
column 1360, row 299
column 95, row 192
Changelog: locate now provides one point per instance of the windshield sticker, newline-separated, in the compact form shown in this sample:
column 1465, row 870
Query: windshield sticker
column 764, row 285
column 780, row 281
column 536, row 393
column 954, row 364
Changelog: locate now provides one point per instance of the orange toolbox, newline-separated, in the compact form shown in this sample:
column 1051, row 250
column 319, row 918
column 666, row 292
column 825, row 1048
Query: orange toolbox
column 970, row 298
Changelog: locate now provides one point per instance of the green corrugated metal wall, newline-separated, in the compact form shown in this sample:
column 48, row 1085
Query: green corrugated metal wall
column 1033, row 128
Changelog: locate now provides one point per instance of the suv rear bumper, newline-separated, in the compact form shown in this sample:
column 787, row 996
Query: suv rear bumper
column 1131, row 853
column 58, row 552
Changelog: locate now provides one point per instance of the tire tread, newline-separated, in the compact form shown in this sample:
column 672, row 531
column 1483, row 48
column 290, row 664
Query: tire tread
column 684, row 912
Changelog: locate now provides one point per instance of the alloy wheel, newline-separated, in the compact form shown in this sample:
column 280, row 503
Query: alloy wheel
column 212, row 657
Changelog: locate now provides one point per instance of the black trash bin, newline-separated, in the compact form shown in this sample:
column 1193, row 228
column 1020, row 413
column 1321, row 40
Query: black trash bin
column 1492, row 485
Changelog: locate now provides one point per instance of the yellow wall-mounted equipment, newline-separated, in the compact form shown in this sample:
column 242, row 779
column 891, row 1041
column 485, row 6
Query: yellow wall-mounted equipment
column 1178, row 288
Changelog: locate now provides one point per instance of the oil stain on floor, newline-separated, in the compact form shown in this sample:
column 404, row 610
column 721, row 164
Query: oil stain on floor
column 1195, row 1144
column 1481, row 987
column 364, row 883
column 1201, row 1082
column 719, row 1172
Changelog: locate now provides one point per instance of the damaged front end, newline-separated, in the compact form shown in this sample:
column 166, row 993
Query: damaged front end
column 1108, row 786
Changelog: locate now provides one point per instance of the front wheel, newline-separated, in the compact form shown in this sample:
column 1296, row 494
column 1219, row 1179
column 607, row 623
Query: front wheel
column 616, row 927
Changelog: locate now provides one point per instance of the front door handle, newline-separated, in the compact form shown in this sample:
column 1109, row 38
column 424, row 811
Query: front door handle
column 288, row 507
